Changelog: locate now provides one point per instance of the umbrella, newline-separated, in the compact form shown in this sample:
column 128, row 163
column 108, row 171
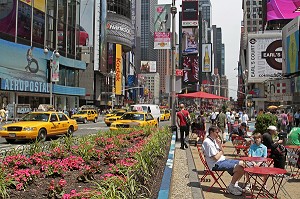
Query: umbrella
column 272, row 107
column 201, row 94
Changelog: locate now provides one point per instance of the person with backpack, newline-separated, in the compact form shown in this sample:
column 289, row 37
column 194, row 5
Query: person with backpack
column 199, row 127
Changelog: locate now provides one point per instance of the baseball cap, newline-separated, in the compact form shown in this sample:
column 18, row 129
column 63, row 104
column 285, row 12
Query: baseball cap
column 244, row 124
column 273, row 128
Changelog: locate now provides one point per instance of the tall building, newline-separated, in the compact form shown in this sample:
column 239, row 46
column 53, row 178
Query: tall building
column 147, row 30
column 253, row 15
column 152, row 87
column 206, row 11
column 217, row 49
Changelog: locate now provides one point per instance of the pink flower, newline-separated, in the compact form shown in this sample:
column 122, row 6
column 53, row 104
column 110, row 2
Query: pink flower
column 62, row 182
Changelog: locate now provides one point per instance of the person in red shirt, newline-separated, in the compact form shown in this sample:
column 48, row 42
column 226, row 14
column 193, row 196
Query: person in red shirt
column 183, row 125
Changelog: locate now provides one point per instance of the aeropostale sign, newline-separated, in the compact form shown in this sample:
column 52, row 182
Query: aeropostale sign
column 24, row 85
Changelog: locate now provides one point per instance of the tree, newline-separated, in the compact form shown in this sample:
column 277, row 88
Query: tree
column 263, row 121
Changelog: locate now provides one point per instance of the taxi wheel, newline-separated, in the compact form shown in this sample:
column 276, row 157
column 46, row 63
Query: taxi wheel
column 85, row 121
column 95, row 120
column 108, row 125
column 10, row 141
column 42, row 135
column 70, row 132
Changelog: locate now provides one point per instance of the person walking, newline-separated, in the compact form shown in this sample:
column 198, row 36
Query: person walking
column 214, row 155
column 182, row 117
column 245, row 117
column 221, row 123
column 294, row 137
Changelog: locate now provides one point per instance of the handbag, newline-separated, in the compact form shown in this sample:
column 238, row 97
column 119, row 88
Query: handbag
column 187, row 119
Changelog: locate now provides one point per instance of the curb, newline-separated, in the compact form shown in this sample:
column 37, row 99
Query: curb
column 166, row 180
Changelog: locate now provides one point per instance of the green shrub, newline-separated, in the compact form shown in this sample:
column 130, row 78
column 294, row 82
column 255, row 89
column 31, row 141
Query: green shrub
column 263, row 121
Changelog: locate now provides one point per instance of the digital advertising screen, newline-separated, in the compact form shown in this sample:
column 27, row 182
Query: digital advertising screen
column 191, row 69
column 282, row 9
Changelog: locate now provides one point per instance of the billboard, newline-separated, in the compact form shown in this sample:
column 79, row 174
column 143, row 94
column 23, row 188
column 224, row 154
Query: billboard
column 264, row 56
column 148, row 67
column 190, row 13
column 119, row 67
column 162, row 25
column 189, row 40
column 290, row 47
column 206, row 57
column 282, row 9
column 191, row 69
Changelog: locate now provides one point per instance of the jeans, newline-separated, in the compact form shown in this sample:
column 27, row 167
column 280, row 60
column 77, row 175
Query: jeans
column 184, row 133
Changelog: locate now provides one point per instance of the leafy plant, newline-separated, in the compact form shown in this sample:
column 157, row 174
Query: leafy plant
column 56, row 190
column 263, row 121
column 5, row 182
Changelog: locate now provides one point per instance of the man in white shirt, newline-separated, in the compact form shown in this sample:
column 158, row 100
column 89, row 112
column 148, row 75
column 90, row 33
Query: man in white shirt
column 245, row 117
column 214, row 155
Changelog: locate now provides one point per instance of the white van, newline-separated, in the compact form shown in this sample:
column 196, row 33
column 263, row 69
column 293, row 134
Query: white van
column 147, row 108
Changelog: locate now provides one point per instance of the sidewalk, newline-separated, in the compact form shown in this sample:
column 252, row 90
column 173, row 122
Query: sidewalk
column 188, row 169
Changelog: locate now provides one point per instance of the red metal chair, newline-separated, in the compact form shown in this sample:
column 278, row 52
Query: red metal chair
column 239, row 144
column 216, row 175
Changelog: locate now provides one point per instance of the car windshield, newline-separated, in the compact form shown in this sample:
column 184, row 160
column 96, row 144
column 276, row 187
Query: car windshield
column 81, row 112
column 43, row 117
column 133, row 117
column 120, row 114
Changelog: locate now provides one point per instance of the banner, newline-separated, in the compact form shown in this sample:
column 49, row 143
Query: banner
column 264, row 56
column 190, row 13
column 191, row 69
column 54, row 64
column 206, row 57
column 162, row 25
column 148, row 67
column 190, row 38
column 119, row 68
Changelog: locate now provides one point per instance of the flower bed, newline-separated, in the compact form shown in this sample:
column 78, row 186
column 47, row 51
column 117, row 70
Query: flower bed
column 120, row 164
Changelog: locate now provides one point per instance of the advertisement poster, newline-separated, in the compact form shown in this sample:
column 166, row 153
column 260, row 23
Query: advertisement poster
column 206, row 57
column 148, row 67
column 264, row 57
column 162, row 25
column 119, row 67
column 191, row 66
column 190, row 40
column 190, row 13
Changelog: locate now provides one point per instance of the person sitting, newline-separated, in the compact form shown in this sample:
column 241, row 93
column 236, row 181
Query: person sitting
column 199, row 128
column 238, row 131
column 268, row 139
column 214, row 155
column 257, row 149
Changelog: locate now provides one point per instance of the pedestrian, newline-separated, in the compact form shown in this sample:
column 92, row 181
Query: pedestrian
column 199, row 127
column 284, row 121
column 270, row 141
column 297, row 118
column 182, row 117
column 214, row 155
column 213, row 117
column 221, row 123
column 6, row 115
column 2, row 115
column 245, row 117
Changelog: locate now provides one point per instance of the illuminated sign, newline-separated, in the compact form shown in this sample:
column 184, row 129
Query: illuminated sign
column 123, row 28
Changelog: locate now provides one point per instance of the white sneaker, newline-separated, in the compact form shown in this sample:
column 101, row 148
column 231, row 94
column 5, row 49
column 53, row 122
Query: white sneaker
column 248, row 186
column 234, row 190
column 239, row 188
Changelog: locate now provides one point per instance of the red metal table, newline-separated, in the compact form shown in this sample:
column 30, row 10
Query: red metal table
column 268, row 161
column 293, row 148
column 258, row 173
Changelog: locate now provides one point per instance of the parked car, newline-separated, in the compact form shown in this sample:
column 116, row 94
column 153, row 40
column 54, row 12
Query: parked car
column 165, row 114
column 39, row 125
column 85, row 116
column 133, row 119
column 82, row 37
column 113, row 118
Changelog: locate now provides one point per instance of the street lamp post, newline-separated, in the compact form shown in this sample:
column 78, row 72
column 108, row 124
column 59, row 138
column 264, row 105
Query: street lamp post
column 173, row 80
column 113, row 96
column 54, row 76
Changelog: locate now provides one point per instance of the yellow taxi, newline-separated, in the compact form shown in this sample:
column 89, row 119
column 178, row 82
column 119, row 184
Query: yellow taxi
column 85, row 115
column 114, row 111
column 115, row 117
column 39, row 125
column 133, row 119
column 165, row 114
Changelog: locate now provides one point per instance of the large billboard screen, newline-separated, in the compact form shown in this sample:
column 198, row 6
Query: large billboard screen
column 264, row 57
column 290, row 47
column 191, row 69
column 190, row 13
column 282, row 9
column 190, row 38
column 148, row 67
